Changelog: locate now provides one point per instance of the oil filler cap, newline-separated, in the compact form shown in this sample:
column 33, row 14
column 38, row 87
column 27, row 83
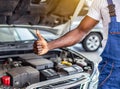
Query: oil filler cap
column 6, row 80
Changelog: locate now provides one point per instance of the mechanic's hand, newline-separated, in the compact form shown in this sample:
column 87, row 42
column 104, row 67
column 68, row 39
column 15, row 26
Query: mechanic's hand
column 40, row 46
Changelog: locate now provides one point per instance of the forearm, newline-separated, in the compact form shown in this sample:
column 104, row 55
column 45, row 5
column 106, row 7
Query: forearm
column 66, row 40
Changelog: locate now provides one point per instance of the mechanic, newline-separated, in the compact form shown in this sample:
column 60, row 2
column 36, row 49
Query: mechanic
column 107, row 11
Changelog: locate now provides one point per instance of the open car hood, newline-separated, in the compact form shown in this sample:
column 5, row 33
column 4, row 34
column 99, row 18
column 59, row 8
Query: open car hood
column 51, row 13
column 47, row 9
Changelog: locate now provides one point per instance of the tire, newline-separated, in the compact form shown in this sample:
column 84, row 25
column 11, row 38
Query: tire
column 92, row 42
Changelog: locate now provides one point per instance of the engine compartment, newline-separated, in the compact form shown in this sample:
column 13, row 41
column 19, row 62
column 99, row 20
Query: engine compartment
column 24, row 70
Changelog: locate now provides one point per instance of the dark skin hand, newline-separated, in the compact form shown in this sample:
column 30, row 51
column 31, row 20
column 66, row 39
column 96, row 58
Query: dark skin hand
column 41, row 46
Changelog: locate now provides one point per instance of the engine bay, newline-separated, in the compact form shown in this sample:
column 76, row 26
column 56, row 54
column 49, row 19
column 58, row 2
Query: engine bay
column 22, row 71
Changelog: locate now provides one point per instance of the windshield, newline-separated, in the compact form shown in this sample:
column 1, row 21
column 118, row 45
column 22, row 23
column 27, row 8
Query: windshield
column 15, row 34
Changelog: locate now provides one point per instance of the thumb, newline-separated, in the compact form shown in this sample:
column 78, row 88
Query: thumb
column 38, row 35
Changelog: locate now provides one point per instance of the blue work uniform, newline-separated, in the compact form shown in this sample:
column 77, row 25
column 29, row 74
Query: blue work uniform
column 109, row 67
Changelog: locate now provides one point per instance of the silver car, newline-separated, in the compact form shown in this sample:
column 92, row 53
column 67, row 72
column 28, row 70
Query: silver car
column 58, row 69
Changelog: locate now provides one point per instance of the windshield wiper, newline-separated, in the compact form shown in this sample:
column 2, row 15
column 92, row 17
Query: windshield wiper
column 17, row 45
column 17, row 42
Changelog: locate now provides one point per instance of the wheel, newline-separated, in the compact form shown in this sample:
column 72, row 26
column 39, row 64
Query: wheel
column 92, row 42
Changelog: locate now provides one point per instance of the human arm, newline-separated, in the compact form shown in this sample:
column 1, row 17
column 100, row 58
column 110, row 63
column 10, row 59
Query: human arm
column 74, row 36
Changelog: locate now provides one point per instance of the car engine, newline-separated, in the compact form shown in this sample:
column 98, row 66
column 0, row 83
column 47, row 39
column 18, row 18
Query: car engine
column 57, row 67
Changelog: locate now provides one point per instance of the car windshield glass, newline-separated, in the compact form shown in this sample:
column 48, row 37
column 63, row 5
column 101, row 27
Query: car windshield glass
column 15, row 34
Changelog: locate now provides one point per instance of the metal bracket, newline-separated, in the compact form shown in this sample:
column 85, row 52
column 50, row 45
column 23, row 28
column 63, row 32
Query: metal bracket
column 111, row 8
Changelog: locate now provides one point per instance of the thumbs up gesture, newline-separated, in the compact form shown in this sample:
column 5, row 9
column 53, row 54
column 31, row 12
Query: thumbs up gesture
column 40, row 46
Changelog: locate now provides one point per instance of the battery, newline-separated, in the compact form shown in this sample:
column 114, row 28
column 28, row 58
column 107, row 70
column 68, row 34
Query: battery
column 72, row 69
column 20, row 76
column 48, row 74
